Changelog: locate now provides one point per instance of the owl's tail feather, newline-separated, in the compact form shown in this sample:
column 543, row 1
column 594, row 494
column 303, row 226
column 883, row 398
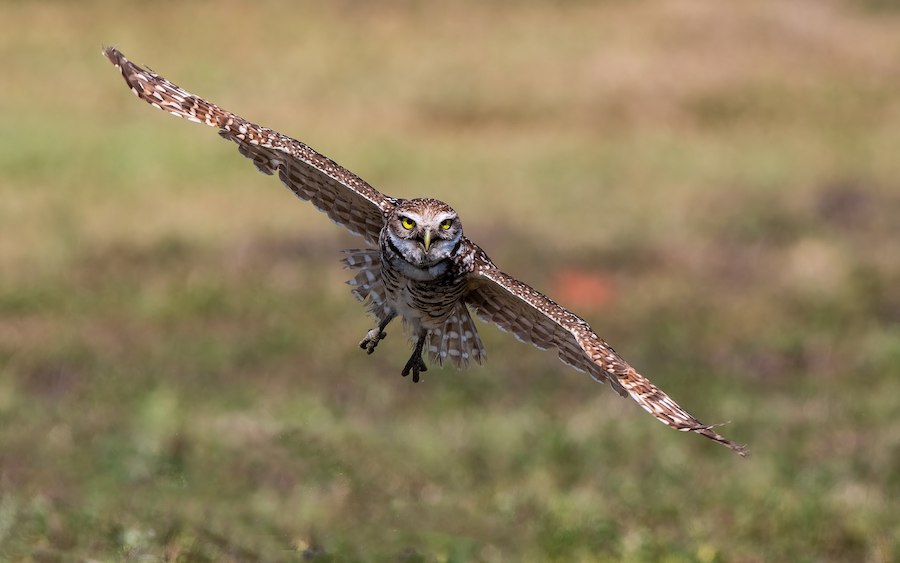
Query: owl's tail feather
column 457, row 341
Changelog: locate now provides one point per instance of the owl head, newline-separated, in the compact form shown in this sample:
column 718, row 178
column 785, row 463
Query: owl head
column 424, row 231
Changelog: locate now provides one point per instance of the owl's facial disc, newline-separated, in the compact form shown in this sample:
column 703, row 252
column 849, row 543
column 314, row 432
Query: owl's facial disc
column 425, row 232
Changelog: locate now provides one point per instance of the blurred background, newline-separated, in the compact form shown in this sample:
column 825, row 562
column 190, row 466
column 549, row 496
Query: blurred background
column 714, row 186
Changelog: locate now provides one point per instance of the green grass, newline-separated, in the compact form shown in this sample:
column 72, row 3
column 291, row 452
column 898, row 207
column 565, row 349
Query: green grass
column 179, row 377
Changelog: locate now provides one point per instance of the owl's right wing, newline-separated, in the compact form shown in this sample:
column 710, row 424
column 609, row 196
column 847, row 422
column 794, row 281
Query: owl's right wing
column 346, row 198
column 536, row 319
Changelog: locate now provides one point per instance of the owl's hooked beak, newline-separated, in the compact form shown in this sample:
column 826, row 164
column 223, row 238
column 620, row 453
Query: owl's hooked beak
column 426, row 240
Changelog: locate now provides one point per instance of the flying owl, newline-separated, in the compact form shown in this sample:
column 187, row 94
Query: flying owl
column 418, row 265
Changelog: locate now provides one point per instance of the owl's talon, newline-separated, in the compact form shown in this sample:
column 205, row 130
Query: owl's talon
column 373, row 337
column 415, row 364
column 376, row 334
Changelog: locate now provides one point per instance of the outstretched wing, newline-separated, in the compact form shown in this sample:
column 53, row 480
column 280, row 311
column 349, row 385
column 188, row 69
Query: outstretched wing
column 346, row 198
column 534, row 318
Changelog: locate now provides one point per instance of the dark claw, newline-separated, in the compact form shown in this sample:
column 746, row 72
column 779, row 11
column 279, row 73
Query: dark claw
column 415, row 365
column 415, row 362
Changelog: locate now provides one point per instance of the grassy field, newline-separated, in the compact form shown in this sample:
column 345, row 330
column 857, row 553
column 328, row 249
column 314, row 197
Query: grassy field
column 714, row 186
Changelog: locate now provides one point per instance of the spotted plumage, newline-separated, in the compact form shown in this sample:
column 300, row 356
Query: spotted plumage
column 419, row 265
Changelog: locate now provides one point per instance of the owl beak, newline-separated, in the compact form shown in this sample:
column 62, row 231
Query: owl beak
column 426, row 240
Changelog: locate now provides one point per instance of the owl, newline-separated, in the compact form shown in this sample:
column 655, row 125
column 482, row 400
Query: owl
column 418, row 265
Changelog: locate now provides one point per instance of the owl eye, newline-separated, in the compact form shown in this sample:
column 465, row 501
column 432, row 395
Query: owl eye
column 407, row 223
column 445, row 224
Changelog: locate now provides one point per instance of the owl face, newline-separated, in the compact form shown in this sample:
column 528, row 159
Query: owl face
column 424, row 231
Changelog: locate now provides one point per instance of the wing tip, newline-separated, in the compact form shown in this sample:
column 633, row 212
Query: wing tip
column 653, row 400
column 114, row 55
column 708, row 432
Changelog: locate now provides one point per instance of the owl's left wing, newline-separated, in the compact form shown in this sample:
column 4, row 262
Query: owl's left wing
column 345, row 197
column 534, row 318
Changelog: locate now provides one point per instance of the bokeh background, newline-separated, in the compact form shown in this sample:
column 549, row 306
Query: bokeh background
column 715, row 186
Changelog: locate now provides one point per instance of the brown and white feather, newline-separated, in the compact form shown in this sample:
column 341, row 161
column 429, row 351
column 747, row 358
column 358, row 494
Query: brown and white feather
column 535, row 318
column 346, row 198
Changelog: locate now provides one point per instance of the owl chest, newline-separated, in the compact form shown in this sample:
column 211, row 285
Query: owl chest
column 422, row 303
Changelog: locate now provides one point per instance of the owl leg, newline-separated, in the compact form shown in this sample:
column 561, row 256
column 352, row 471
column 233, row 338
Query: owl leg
column 416, row 364
column 374, row 336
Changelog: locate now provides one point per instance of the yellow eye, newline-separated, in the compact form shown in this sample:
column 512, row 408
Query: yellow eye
column 407, row 223
column 445, row 224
